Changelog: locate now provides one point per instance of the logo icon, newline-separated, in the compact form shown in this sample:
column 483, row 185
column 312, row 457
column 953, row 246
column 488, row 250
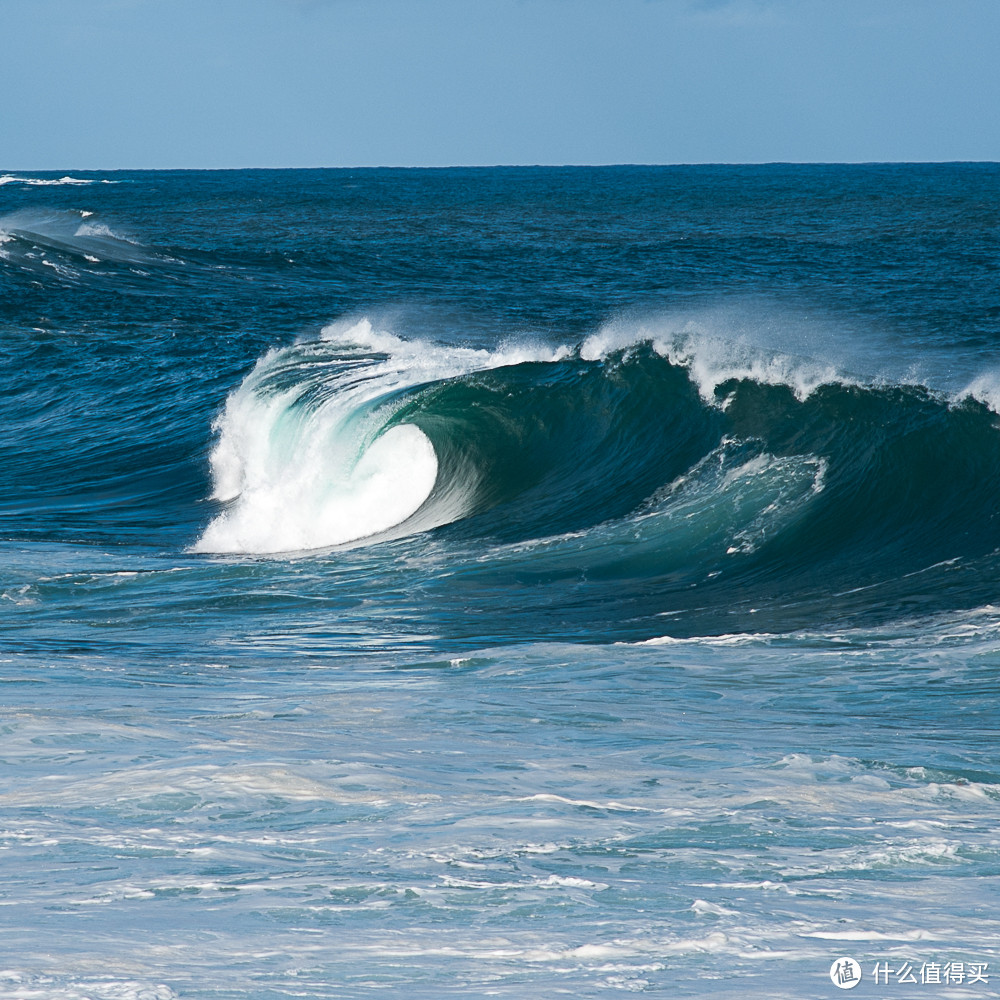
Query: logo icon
column 845, row 973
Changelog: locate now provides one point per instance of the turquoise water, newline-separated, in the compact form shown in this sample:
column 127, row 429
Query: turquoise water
column 499, row 582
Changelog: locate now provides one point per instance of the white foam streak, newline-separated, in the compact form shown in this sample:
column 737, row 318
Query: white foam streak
column 44, row 181
column 17, row 986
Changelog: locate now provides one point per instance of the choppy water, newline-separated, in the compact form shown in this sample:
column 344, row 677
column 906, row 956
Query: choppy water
column 500, row 582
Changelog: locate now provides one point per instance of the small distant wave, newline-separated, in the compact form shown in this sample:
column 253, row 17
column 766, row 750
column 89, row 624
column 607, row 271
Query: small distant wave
column 49, row 181
column 67, row 244
column 63, row 226
column 101, row 230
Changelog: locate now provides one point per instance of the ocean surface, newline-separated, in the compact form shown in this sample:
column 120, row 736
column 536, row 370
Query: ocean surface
column 512, row 582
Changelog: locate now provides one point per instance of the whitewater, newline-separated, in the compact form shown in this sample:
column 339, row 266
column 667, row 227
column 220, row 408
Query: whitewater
column 500, row 582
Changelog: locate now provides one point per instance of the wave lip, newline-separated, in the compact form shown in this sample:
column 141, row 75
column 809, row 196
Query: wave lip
column 309, row 455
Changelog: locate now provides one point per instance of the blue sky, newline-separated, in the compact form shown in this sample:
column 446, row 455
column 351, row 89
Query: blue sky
column 103, row 84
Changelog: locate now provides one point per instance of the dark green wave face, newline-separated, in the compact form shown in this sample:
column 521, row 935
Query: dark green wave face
column 562, row 446
column 611, row 487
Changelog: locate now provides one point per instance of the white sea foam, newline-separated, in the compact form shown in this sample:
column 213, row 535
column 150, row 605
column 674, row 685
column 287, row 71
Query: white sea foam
column 305, row 453
column 186, row 787
column 583, row 803
column 718, row 345
column 15, row 985
column 985, row 388
column 867, row 935
column 705, row 908
column 44, row 181
column 977, row 628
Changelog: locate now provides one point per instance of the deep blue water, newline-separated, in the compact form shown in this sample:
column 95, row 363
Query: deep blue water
column 500, row 582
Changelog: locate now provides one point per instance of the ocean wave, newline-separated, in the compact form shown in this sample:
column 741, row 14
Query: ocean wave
column 538, row 427
column 78, row 249
column 697, row 492
column 64, row 230
column 49, row 181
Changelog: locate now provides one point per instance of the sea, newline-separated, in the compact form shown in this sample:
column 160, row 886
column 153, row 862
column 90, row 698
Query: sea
column 500, row 582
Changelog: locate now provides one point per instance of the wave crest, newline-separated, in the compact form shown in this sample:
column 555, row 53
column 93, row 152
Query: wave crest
column 719, row 346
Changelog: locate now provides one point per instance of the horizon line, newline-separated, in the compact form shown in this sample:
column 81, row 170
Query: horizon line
column 7, row 171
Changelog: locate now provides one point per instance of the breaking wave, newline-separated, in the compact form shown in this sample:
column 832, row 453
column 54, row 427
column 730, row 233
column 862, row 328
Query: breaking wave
column 680, row 471
column 314, row 448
